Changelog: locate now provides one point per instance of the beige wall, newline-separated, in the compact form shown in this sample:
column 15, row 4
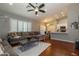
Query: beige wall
column 52, row 28
column 35, row 26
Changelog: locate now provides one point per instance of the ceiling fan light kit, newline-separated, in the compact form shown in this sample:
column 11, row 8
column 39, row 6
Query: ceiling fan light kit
column 37, row 8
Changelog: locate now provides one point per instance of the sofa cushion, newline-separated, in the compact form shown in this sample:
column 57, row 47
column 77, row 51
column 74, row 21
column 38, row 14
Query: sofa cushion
column 19, row 33
column 12, row 34
column 25, row 33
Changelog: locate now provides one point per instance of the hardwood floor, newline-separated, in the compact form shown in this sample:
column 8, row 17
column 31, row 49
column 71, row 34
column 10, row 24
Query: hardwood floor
column 59, row 48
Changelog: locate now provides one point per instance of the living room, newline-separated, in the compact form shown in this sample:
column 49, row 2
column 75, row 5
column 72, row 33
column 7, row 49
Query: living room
column 39, row 29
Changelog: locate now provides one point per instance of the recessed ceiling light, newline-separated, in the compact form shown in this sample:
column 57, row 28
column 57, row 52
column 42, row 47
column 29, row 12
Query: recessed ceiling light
column 10, row 3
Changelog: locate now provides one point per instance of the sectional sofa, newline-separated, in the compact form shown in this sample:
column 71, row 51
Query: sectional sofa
column 17, row 37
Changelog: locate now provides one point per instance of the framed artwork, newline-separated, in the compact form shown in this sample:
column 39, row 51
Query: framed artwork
column 75, row 25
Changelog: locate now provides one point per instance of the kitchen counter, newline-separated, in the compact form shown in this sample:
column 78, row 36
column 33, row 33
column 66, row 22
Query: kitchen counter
column 63, row 36
column 59, row 33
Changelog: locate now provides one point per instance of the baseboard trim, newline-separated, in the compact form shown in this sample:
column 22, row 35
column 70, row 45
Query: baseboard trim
column 63, row 40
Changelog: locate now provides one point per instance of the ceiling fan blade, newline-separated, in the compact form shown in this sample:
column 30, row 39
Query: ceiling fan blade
column 30, row 10
column 43, row 11
column 31, row 5
column 42, row 5
column 36, row 12
column 28, row 6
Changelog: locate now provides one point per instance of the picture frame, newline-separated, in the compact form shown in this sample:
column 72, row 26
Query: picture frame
column 75, row 25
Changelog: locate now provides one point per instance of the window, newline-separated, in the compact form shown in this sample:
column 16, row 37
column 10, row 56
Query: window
column 20, row 26
column 29, row 26
column 13, row 25
column 25, row 27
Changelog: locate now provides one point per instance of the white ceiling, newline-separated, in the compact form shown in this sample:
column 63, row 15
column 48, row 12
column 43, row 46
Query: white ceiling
column 20, row 9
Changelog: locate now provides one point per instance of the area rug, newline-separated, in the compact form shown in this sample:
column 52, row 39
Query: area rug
column 27, row 46
column 36, row 50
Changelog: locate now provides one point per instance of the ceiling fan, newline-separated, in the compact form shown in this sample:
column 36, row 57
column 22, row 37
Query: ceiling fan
column 37, row 8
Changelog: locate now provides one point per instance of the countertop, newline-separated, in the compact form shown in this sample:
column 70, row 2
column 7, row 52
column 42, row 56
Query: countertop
column 59, row 33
